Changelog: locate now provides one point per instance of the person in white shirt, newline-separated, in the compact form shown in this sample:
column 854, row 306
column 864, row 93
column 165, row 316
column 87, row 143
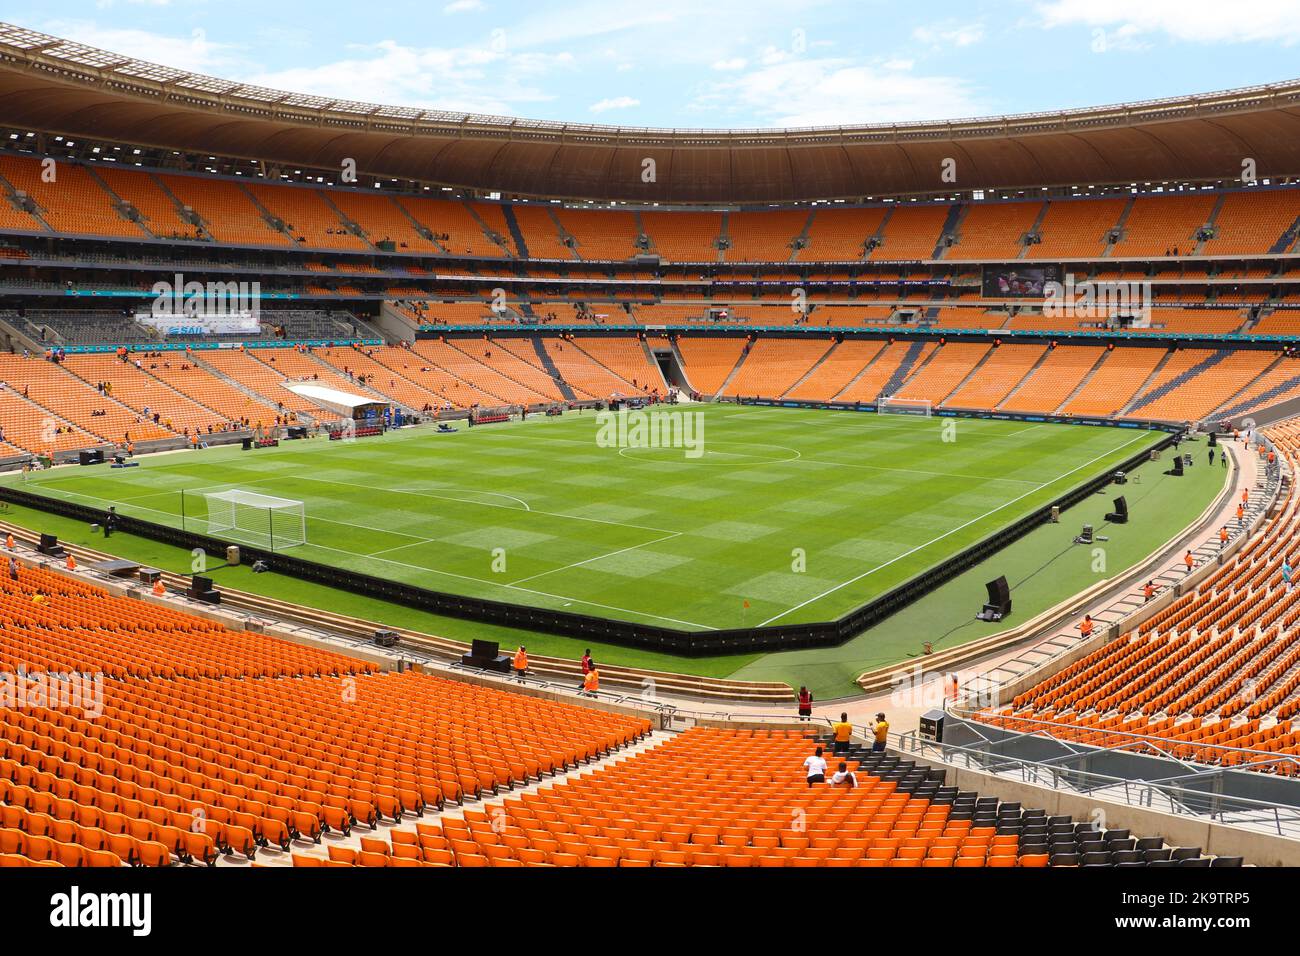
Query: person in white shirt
column 844, row 777
column 816, row 767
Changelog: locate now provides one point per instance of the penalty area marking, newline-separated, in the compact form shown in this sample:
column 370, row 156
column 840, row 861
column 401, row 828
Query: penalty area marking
column 946, row 534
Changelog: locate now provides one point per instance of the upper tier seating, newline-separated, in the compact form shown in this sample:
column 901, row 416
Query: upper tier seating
column 841, row 234
column 1076, row 228
column 994, row 230
column 227, row 211
column 1155, row 224
column 684, row 237
column 308, row 216
column 73, row 203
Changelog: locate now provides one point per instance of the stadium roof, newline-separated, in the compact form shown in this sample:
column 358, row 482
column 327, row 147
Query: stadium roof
column 54, row 85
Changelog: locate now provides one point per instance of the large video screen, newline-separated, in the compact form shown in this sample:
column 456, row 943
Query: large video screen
column 1027, row 281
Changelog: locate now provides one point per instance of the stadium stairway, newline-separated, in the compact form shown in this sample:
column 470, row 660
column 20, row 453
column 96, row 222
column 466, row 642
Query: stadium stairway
column 1083, row 383
column 905, row 368
column 336, row 846
column 216, row 373
column 722, row 389
column 512, row 222
column 548, row 366
column 816, row 365
column 492, row 235
column 1178, row 381
column 1029, row 373
column 951, row 229
column 124, row 208
column 974, row 370
column 1232, row 411
column 1287, row 239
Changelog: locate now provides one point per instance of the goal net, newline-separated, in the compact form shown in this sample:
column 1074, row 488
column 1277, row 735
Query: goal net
column 261, row 520
column 889, row 405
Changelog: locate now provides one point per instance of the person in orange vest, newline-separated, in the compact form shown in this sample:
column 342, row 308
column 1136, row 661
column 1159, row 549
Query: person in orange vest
column 521, row 663
column 9, row 541
column 1245, row 496
column 1086, row 626
column 71, row 563
column 954, row 687
column 1188, row 561
column 591, row 683
column 1223, row 537
column 1148, row 591
column 158, row 589
column 805, row 703
column 1241, row 515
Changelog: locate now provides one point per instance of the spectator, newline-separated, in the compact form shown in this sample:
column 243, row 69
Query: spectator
column 881, row 731
column 816, row 767
column 805, row 703
column 591, row 683
column 521, row 663
column 843, row 732
column 844, row 777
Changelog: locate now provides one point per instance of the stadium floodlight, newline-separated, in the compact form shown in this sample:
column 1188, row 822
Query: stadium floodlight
column 890, row 405
column 260, row 520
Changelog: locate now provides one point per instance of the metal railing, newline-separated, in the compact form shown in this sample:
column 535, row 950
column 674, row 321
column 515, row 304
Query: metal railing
column 1166, row 795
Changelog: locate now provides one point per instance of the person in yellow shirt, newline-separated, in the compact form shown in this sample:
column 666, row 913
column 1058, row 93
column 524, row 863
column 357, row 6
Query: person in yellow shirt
column 521, row 663
column 843, row 733
column 881, row 733
column 591, row 683
column 38, row 597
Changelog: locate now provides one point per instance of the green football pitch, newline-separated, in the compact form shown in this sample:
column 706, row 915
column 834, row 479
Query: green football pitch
column 777, row 516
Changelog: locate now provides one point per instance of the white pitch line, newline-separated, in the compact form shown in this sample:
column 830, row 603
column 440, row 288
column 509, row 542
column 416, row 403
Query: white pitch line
column 599, row 557
column 972, row 521
column 427, row 570
column 513, row 587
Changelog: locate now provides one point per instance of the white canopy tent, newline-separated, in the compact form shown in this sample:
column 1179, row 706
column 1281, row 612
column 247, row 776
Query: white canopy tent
column 347, row 404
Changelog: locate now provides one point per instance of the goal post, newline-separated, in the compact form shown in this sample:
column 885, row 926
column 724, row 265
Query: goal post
column 261, row 520
column 892, row 405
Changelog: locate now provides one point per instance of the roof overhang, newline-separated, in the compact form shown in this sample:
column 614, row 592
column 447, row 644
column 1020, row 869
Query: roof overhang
column 57, row 86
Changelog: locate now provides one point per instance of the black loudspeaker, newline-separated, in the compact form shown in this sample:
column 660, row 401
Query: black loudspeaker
column 50, row 546
column 999, row 603
column 485, row 655
column 1177, row 470
column 1120, row 514
column 246, row 444
column 386, row 638
column 1214, row 439
column 201, row 589
column 93, row 457
column 297, row 431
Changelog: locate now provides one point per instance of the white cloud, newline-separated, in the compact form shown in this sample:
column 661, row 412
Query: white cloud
column 735, row 63
column 195, row 53
column 463, row 6
column 836, row 92
column 614, row 103
column 1196, row 21
column 475, row 79
column 950, row 34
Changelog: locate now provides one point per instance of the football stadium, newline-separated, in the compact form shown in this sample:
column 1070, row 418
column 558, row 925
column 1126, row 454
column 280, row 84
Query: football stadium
column 387, row 487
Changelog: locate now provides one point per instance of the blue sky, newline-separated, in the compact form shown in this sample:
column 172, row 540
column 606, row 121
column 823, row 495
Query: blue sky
column 705, row 63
